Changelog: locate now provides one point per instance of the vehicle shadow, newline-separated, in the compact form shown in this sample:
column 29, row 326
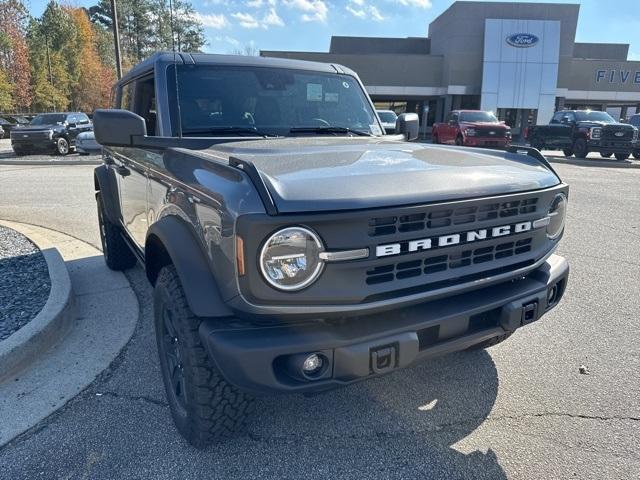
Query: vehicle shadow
column 405, row 424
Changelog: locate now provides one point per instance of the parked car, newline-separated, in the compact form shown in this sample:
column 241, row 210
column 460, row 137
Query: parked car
column 86, row 144
column 388, row 119
column 474, row 128
column 7, row 126
column 635, row 121
column 20, row 120
column 578, row 132
column 54, row 132
column 293, row 248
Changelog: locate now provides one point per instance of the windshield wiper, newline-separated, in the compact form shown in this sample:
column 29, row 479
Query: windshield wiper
column 331, row 130
column 229, row 130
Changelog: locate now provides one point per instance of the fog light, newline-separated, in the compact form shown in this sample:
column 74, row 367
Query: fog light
column 552, row 295
column 312, row 364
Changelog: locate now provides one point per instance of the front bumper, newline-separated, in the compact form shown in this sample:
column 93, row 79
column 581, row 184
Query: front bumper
column 33, row 145
column 487, row 141
column 612, row 146
column 264, row 359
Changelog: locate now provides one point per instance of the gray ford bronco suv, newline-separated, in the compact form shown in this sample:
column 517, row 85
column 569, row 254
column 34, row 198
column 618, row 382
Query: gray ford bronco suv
column 294, row 248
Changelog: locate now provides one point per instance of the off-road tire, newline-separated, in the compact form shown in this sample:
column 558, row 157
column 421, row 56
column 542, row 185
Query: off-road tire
column 621, row 156
column 636, row 154
column 210, row 408
column 491, row 342
column 580, row 148
column 567, row 152
column 62, row 146
column 117, row 254
column 606, row 154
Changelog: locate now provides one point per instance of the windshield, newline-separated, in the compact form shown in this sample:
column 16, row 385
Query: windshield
column 387, row 117
column 594, row 117
column 226, row 100
column 478, row 117
column 48, row 119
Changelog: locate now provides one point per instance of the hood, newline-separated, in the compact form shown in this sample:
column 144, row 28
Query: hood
column 616, row 126
column 338, row 173
column 35, row 128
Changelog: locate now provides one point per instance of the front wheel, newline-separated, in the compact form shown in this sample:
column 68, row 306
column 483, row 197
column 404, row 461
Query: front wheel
column 636, row 154
column 459, row 141
column 203, row 405
column 62, row 146
column 580, row 149
column 434, row 139
column 537, row 143
column 606, row 154
column 567, row 152
column 622, row 156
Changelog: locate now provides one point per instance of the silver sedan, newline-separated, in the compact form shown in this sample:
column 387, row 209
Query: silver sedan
column 86, row 144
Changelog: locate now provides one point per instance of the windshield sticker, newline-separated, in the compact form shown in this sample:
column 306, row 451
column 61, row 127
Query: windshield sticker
column 330, row 97
column 345, row 84
column 375, row 129
column 314, row 92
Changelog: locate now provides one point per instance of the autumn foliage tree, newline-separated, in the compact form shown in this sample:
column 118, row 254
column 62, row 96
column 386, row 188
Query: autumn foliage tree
column 15, row 74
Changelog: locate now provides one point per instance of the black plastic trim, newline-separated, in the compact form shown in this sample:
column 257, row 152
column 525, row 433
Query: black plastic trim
column 254, row 175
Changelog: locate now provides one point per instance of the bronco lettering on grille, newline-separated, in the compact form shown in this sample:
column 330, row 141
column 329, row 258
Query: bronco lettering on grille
column 453, row 239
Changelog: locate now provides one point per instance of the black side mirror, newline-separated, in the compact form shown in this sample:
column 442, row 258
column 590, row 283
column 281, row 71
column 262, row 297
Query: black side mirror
column 408, row 124
column 453, row 122
column 117, row 128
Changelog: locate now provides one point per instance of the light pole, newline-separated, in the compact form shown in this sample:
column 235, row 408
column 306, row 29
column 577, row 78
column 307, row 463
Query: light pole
column 116, row 37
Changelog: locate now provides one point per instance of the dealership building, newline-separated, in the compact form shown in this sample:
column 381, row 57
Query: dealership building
column 519, row 60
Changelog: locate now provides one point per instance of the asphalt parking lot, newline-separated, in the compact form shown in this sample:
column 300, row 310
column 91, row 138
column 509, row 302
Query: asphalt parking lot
column 518, row 410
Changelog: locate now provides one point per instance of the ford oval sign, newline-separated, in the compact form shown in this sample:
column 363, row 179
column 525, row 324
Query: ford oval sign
column 522, row 40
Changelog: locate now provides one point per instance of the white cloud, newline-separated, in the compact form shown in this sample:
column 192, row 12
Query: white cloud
column 272, row 19
column 314, row 10
column 229, row 40
column 211, row 20
column 416, row 3
column 360, row 10
column 246, row 20
column 255, row 3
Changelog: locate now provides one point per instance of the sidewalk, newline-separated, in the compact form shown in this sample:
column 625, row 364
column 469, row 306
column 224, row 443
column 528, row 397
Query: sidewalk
column 106, row 313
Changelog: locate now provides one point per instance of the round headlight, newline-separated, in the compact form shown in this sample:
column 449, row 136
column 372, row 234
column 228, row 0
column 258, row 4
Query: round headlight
column 290, row 258
column 557, row 214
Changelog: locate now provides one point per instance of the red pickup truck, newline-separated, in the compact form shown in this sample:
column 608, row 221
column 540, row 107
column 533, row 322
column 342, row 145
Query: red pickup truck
column 473, row 128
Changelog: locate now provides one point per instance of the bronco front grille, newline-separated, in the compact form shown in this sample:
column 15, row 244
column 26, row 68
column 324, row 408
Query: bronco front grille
column 416, row 222
column 439, row 263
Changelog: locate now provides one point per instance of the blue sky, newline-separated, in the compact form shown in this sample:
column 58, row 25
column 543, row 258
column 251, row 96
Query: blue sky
column 309, row 24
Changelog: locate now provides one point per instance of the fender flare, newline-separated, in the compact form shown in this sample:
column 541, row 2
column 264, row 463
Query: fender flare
column 105, row 182
column 170, row 240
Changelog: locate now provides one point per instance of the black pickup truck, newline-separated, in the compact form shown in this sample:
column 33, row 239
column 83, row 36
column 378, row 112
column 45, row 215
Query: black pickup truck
column 51, row 132
column 578, row 132
column 294, row 248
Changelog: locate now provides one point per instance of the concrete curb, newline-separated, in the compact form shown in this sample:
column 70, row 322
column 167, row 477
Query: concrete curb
column 50, row 163
column 595, row 163
column 49, row 326
column 105, row 314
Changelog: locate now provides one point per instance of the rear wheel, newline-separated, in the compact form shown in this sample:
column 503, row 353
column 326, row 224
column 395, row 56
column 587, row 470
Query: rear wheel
column 580, row 149
column 459, row 141
column 567, row 152
column 117, row 254
column 636, row 154
column 62, row 146
column 622, row 156
column 434, row 139
column 204, row 406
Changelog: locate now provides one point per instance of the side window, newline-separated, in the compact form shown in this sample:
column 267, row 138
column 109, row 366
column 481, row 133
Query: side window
column 635, row 121
column 145, row 103
column 454, row 117
column 557, row 117
column 72, row 119
column 126, row 96
column 571, row 117
column 83, row 119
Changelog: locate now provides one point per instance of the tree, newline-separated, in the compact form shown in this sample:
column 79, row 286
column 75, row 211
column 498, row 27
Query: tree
column 14, row 54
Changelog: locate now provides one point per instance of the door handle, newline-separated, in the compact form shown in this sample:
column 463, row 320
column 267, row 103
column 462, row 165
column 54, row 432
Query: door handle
column 123, row 171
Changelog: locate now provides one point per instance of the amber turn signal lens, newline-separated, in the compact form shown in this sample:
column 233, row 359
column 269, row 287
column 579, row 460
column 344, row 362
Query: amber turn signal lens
column 240, row 255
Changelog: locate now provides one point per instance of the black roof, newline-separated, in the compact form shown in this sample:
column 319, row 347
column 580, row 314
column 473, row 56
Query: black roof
column 161, row 59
